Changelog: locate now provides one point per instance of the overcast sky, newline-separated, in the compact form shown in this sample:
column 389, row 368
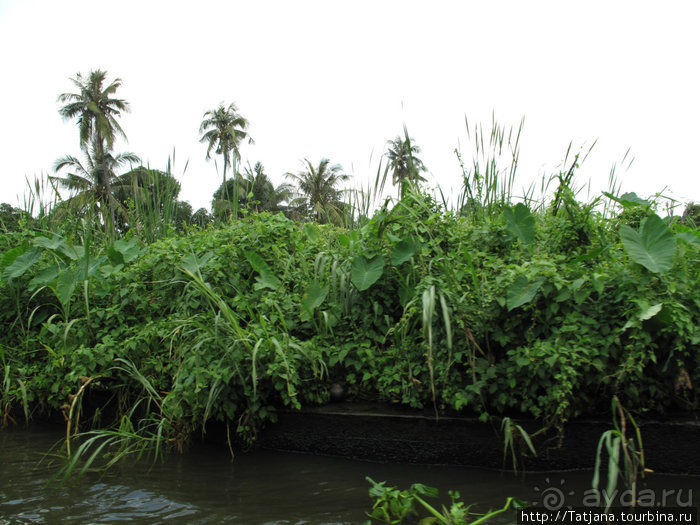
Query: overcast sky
column 338, row 79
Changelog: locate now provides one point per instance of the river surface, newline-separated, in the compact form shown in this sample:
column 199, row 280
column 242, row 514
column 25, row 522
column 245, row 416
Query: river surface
column 258, row 487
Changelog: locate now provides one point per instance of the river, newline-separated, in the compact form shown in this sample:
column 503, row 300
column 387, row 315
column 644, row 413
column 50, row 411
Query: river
column 256, row 488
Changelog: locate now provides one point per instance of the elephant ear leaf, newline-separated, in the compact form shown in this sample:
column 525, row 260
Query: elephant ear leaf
column 312, row 299
column 520, row 223
column 267, row 278
column 17, row 261
column 365, row 273
column 403, row 251
column 653, row 246
column 522, row 291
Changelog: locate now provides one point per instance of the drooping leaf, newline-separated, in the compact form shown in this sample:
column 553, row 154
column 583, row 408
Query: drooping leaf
column 627, row 200
column 650, row 312
column 653, row 246
column 520, row 223
column 366, row 272
column 54, row 243
column 310, row 232
column 21, row 264
column 689, row 237
column 403, row 251
column 522, row 291
column 44, row 277
column 65, row 285
column 590, row 255
column 59, row 245
column 9, row 256
column 313, row 298
column 129, row 250
column 192, row 263
column 257, row 262
column 267, row 278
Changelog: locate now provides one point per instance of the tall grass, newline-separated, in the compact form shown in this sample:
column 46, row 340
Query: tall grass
column 488, row 181
column 135, row 435
column 155, row 210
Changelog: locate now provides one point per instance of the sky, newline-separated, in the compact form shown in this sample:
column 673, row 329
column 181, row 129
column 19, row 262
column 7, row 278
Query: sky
column 338, row 79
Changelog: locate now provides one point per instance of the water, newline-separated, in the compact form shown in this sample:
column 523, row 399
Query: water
column 204, row 486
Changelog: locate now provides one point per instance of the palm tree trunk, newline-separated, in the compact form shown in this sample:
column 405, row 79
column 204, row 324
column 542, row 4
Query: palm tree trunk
column 225, row 188
column 100, row 158
column 135, row 190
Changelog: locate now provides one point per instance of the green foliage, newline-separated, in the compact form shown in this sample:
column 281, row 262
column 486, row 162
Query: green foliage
column 520, row 223
column 653, row 246
column 395, row 506
column 366, row 272
column 12, row 219
column 540, row 315
column 625, row 455
column 522, row 291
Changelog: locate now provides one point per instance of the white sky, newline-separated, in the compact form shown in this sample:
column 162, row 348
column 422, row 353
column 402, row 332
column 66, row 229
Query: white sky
column 338, row 79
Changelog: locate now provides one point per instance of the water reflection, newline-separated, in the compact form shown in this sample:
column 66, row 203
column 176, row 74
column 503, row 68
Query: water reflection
column 204, row 486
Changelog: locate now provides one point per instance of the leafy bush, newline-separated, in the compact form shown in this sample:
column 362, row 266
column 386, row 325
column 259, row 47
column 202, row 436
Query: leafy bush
column 548, row 314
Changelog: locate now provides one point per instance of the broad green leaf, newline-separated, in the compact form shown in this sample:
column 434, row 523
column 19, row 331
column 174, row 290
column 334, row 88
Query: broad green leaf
column 313, row 298
column 192, row 263
column 310, row 232
column 592, row 254
column 21, row 264
column 54, row 243
column 346, row 241
column 650, row 312
column 522, row 291
column 129, row 250
column 627, row 200
column 653, row 246
column 59, row 245
column 65, row 285
column 267, row 278
column 403, row 251
column 598, row 282
column 692, row 238
column 520, row 223
column 365, row 273
column 257, row 262
column 9, row 256
column 44, row 277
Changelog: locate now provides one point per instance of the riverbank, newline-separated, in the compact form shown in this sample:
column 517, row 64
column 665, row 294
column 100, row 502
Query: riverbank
column 392, row 434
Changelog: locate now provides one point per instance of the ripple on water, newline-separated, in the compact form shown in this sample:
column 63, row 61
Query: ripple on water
column 260, row 488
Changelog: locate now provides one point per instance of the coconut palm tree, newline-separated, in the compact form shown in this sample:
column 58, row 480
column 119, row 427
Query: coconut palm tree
column 403, row 162
column 222, row 130
column 96, row 110
column 264, row 195
column 91, row 183
column 318, row 187
column 254, row 189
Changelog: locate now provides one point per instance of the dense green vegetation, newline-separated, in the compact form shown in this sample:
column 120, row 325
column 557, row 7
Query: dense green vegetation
column 498, row 308
column 546, row 314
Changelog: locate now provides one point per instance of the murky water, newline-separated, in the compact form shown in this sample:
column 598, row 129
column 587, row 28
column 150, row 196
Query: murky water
column 204, row 486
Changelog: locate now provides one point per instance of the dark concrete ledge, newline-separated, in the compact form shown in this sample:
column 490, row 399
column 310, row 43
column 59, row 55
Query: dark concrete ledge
column 381, row 433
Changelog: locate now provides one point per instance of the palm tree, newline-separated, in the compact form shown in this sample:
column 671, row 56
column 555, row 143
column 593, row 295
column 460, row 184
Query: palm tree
column 91, row 183
column 318, row 184
column 402, row 160
column 96, row 110
column 264, row 195
column 223, row 129
column 254, row 190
